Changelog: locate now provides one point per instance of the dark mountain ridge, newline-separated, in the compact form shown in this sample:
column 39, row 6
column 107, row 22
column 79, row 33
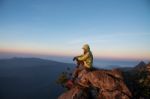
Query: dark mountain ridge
column 30, row 78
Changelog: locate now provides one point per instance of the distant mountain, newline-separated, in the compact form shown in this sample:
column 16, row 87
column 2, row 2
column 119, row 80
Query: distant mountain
column 137, row 68
column 140, row 67
column 30, row 78
column 112, row 66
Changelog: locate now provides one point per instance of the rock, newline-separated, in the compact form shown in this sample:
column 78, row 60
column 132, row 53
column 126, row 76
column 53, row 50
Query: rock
column 138, row 80
column 109, row 84
column 74, row 93
column 148, row 67
column 112, row 95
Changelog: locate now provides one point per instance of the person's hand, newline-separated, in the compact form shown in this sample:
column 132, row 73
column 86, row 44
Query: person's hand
column 75, row 58
column 77, row 66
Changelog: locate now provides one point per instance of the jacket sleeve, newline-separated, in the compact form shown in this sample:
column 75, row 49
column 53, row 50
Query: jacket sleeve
column 83, row 57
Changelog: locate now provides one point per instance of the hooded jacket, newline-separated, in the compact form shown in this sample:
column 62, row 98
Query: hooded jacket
column 87, row 57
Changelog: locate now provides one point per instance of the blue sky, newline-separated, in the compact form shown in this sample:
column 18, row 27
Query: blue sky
column 113, row 28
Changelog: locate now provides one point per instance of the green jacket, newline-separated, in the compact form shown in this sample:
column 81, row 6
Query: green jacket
column 87, row 58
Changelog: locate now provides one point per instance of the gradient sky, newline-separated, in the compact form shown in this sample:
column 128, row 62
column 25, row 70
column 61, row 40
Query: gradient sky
column 113, row 28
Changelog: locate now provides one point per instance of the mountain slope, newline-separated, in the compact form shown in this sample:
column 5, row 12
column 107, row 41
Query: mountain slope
column 30, row 78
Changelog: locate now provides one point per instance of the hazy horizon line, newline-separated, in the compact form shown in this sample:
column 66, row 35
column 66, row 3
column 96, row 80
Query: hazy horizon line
column 4, row 55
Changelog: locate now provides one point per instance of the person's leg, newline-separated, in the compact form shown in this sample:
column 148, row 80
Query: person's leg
column 80, row 63
column 79, row 67
column 76, row 73
column 88, row 69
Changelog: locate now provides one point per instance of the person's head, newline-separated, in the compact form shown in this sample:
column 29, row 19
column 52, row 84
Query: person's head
column 86, row 48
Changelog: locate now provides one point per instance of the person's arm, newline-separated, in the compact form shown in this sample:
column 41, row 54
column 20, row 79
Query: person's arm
column 76, row 58
column 83, row 57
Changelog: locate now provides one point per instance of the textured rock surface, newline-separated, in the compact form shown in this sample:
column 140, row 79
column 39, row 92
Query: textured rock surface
column 138, row 80
column 74, row 93
column 109, row 84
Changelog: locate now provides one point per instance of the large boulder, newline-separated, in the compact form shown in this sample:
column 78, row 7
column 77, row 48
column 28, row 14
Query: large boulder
column 109, row 84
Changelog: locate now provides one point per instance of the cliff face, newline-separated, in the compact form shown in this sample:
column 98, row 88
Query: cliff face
column 98, row 84
column 138, row 80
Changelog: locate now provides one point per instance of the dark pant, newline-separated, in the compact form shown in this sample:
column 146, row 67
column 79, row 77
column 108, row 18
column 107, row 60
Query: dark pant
column 78, row 70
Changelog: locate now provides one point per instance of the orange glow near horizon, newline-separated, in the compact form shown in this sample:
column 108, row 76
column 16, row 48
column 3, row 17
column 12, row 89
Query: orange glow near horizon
column 32, row 52
column 106, row 55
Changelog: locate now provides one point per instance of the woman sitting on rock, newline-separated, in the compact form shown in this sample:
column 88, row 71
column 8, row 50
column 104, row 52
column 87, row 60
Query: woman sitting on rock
column 84, row 61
